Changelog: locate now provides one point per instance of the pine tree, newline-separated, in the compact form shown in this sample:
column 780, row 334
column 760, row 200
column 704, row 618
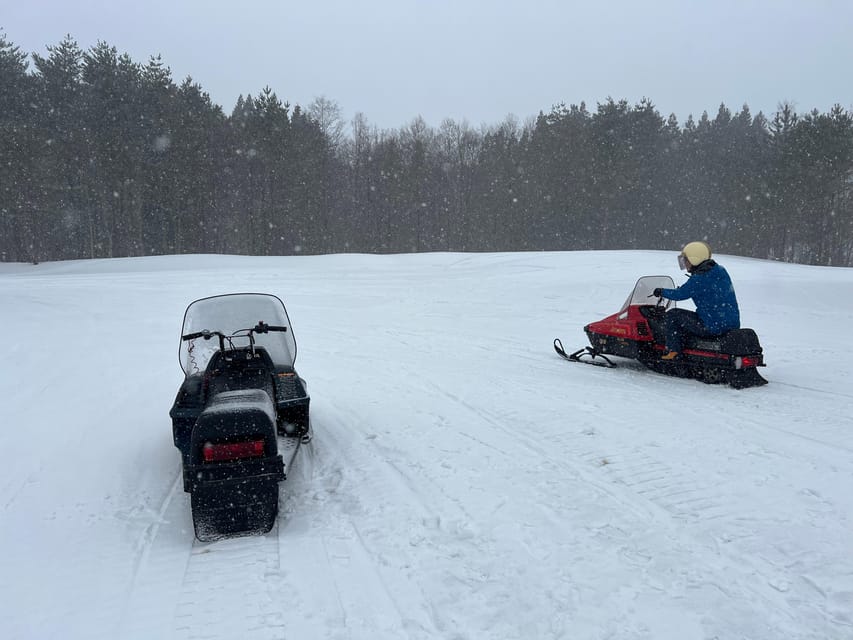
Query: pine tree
column 58, row 211
column 17, row 152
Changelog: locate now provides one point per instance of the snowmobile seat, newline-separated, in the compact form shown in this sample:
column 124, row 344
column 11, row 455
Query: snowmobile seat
column 230, row 413
column 740, row 342
column 238, row 369
column 737, row 342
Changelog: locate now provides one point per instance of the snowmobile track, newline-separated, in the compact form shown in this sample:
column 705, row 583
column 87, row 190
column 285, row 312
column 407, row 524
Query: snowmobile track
column 336, row 562
column 253, row 586
column 232, row 584
column 159, row 567
column 676, row 502
column 715, row 512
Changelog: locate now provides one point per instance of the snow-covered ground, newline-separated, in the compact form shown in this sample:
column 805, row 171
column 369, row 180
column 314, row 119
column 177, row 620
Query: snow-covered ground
column 463, row 483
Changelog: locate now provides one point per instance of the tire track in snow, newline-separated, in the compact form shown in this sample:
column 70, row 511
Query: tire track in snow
column 338, row 581
column 234, row 587
column 331, row 525
column 833, row 393
column 159, row 567
column 230, row 590
column 823, row 431
column 185, row 589
column 730, row 521
column 767, row 541
column 251, row 587
column 149, row 534
column 516, row 435
column 675, row 501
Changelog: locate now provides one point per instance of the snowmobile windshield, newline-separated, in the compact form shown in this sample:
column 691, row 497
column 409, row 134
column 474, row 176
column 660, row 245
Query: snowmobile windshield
column 234, row 314
column 643, row 291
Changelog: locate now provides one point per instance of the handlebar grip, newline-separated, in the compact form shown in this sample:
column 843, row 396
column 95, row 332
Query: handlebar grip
column 263, row 327
column 206, row 334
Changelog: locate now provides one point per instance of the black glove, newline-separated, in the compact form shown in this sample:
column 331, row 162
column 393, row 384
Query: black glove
column 657, row 293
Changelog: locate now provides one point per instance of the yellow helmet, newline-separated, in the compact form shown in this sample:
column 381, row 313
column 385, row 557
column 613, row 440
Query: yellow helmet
column 693, row 254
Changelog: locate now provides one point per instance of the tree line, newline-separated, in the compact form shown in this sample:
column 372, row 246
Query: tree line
column 102, row 156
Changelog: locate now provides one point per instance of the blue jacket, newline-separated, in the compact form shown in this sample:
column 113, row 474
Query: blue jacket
column 712, row 292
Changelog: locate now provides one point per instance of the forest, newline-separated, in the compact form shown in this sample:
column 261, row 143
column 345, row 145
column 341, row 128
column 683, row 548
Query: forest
column 103, row 157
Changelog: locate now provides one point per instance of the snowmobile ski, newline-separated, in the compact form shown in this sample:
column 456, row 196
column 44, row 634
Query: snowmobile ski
column 586, row 352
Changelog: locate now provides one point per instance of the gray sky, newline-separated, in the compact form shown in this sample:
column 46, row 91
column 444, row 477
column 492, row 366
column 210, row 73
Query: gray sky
column 474, row 60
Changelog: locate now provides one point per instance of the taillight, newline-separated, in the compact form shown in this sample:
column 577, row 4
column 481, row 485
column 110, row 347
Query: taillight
column 743, row 362
column 232, row 450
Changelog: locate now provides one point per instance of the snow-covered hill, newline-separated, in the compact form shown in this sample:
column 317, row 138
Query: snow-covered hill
column 463, row 483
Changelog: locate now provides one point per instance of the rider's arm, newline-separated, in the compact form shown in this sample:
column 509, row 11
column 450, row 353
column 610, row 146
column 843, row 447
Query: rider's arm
column 683, row 292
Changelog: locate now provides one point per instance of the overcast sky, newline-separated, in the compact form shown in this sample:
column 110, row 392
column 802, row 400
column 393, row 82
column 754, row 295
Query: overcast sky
column 474, row 60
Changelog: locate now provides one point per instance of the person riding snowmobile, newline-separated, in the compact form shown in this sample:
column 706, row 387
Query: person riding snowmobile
column 712, row 292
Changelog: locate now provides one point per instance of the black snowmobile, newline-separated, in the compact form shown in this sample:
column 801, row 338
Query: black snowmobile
column 638, row 331
column 241, row 412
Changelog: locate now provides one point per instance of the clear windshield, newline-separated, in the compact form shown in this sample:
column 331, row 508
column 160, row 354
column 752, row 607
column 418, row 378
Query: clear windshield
column 642, row 293
column 233, row 313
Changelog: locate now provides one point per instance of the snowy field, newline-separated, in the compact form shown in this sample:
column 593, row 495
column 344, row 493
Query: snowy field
column 463, row 483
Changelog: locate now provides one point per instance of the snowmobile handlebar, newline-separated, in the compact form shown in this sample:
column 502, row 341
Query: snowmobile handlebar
column 261, row 327
column 660, row 301
column 207, row 335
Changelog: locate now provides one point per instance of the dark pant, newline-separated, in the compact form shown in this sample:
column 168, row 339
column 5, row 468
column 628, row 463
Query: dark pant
column 681, row 322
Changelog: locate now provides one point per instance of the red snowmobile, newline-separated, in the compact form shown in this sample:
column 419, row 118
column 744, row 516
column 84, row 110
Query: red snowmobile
column 638, row 332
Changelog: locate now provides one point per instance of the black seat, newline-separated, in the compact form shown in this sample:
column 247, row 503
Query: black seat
column 737, row 342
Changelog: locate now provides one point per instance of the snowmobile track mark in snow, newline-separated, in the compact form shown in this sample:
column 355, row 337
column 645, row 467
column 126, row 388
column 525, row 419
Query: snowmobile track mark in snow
column 693, row 499
column 163, row 555
column 695, row 514
column 353, row 465
column 149, row 535
column 339, row 561
column 227, row 586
